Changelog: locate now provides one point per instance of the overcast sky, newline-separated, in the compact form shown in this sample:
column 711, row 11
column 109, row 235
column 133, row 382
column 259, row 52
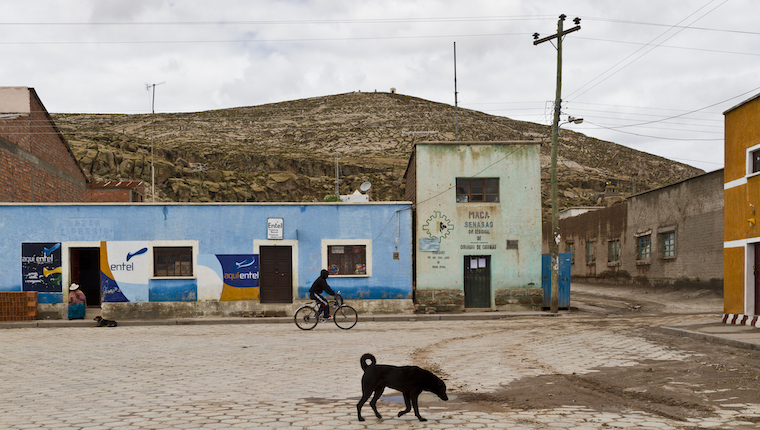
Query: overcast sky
column 655, row 75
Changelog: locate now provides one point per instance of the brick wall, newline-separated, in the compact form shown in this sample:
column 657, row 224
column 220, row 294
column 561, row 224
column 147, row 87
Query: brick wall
column 36, row 163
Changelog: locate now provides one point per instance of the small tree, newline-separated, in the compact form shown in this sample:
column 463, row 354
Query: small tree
column 331, row 198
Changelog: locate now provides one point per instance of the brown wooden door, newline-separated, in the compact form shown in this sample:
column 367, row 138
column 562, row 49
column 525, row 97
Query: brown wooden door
column 276, row 274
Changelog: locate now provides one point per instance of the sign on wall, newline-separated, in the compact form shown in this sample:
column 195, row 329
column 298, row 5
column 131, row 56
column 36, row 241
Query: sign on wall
column 41, row 267
column 240, row 270
column 275, row 228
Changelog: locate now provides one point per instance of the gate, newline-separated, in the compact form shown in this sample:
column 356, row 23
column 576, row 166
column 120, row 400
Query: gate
column 564, row 279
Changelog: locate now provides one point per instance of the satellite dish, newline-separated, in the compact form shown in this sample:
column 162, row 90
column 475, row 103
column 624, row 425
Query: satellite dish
column 365, row 186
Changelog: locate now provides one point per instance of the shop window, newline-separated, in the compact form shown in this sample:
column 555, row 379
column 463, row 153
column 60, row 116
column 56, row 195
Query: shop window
column 477, row 190
column 347, row 259
column 172, row 261
column 613, row 251
column 668, row 244
column 644, row 247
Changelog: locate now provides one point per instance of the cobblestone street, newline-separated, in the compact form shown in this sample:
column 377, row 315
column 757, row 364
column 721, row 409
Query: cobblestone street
column 276, row 376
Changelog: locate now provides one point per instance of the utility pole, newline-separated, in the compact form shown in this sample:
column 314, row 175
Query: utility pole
column 152, row 170
column 555, row 134
column 456, row 106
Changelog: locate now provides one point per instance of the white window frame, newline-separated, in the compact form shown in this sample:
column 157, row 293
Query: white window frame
column 337, row 242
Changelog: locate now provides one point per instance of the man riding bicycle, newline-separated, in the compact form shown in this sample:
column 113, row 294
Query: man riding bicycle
column 315, row 292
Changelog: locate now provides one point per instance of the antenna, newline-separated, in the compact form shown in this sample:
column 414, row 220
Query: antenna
column 153, row 101
column 456, row 106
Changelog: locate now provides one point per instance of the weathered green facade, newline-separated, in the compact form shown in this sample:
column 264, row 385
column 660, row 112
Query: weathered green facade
column 477, row 224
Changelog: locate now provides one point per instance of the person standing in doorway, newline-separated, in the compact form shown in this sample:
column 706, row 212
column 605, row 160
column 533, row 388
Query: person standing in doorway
column 77, row 302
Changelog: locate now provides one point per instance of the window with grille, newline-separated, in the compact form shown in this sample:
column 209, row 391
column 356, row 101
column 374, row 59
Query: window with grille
column 172, row 261
column 668, row 244
column 477, row 190
column 755, row 161
column 590, row 254
column 347, row 259
column 644, row 247
column 614, row 251
column 571, row 249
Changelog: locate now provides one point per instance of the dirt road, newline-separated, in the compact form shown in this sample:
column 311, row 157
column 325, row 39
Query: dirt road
column 677, row 378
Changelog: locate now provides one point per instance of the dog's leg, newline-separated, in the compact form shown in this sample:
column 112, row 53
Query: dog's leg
column 373, row 402
column 365, row 396
column 415, row 395
column 407, row 403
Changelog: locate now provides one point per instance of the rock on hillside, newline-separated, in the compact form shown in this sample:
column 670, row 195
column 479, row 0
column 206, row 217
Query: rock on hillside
column 287, row 151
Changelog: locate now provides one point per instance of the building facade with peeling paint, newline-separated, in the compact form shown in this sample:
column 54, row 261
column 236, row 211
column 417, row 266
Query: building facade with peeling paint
column 477, row 241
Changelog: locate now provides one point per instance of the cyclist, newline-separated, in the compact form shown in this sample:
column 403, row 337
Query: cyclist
column 315, row 292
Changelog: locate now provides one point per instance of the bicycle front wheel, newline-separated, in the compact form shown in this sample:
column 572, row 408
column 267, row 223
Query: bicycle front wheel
column 306, row 318
column 345, row 317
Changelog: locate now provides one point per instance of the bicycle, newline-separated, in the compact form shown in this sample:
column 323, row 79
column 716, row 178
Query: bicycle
column 308, row 316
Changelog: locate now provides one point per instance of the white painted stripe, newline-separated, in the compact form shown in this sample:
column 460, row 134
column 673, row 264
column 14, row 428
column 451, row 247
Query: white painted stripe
column 734, row 183
column 741, row 243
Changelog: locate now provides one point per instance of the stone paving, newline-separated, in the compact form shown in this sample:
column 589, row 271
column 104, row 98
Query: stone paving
column 276, row 376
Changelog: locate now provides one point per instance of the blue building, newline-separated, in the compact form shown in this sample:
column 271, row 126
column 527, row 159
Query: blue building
column 185, row 260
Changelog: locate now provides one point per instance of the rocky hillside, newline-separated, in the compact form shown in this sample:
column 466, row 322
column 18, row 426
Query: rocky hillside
column 287, row 151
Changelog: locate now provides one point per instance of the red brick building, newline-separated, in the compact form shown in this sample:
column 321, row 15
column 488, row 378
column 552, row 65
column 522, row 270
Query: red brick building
column 36, row 162
column 116, row 191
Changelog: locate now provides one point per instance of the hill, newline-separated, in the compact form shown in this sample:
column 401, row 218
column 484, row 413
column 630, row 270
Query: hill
column 287, row 151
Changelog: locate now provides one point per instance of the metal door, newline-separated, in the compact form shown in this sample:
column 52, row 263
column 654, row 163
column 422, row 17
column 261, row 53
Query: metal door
column 276, row 274
column 477, row 281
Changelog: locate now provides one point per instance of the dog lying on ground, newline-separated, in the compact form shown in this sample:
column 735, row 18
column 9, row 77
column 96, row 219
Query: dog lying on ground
column 410, row 380
column 101, row 322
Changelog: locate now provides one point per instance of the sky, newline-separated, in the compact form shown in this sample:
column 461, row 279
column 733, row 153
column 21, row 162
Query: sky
column 653, row 75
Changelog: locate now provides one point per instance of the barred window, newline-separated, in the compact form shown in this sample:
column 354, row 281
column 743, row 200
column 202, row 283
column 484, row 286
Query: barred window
column 590, row 254
column 172, row 261
column 477, row 190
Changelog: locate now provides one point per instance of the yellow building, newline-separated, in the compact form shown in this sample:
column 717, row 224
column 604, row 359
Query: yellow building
column 741, row 185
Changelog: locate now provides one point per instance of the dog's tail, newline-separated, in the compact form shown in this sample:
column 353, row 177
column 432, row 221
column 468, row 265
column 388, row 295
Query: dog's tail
column 364, row 359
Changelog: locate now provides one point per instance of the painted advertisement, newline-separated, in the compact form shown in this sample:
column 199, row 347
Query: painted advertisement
column 125, row 270
column 240, row 275
column 41, row 267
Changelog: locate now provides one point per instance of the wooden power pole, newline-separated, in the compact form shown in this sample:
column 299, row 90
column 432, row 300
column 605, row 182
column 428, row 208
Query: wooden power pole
column 555, row 134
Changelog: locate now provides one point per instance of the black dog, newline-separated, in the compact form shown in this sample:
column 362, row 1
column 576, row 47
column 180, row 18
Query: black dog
column 104, row 322
column 410, row 380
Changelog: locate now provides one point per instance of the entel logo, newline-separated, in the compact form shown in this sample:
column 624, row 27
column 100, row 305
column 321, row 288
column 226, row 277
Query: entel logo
column 124, row 267
column 244, row 275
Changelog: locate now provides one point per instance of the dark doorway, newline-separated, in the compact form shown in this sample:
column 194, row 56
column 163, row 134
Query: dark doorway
column 276, row 274
column 85, row 271
column 477, row 281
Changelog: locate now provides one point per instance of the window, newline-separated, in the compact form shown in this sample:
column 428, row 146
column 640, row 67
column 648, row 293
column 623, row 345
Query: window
column 477, row 190
column 668, row 244
column 644, row 247
column 173, row 261
column 613, row 251
column 590, row 254
column 571, row 250
column 755, row 161
column 347, row 259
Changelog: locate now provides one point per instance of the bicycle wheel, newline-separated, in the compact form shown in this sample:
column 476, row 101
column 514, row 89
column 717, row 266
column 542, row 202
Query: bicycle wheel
column 345, row 317
column 306, row 318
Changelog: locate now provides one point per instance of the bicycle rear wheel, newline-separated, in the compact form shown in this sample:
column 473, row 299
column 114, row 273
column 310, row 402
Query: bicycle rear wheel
column 306, row 318
column 345, row 317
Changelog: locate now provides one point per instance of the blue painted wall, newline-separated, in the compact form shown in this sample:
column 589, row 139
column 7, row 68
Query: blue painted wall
column 222, row 229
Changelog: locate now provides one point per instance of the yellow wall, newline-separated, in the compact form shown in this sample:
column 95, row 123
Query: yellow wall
column 741, row 132
column 733, row 280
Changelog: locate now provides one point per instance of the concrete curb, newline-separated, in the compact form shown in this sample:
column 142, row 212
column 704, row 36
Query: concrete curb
column 278, row 320
column 719, row 339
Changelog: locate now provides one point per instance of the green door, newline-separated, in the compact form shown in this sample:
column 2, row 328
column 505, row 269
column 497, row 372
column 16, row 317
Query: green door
column 477, row 281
